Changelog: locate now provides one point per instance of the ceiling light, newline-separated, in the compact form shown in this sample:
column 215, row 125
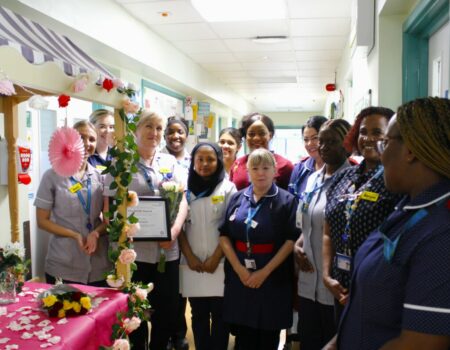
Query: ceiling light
column 238, row 10
column 271, row 39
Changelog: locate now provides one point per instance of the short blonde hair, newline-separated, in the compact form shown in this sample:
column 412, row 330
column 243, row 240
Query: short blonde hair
column 84, row 123
column 261, row 156
column 147, row 116
column 99, row 113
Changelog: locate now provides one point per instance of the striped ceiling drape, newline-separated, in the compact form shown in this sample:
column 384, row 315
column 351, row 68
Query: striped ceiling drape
column 38, row 45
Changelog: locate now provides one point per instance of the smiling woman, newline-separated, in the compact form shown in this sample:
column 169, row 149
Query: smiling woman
column 258, row 129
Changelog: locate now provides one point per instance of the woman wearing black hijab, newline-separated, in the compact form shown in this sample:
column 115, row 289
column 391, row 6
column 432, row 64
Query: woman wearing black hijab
column 201, row 269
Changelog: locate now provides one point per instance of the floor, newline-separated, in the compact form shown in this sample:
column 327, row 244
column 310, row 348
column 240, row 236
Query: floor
column 190, row 336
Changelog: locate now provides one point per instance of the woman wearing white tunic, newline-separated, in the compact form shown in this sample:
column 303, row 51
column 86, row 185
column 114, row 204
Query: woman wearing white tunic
column 201, row 273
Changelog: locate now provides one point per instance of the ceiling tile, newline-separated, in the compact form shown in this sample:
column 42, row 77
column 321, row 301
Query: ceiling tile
column 232, row 74
column 319, row 8
column 246, row 45
column 150, row 12
column 274, row 56
column 200, row 46
column 272, row 74
column 317, row 65
column 320, row 27
column 315, row 73
column 185, row 31
column 251, row 29
column 270, row 65
column 222, row 67
column 318, row 55
column 216, row 57
column 320, row 43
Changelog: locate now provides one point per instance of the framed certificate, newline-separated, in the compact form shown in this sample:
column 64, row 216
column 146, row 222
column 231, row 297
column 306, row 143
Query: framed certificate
column 153, row 215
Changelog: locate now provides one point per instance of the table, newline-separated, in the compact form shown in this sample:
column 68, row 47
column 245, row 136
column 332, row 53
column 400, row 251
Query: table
column 79, row 332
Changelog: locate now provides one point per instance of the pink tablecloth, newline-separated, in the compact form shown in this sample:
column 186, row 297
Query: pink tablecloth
column 80, row 332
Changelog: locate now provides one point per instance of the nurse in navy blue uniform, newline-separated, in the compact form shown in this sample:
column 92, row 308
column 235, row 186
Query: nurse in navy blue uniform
column 400, row 291
column 257, row 239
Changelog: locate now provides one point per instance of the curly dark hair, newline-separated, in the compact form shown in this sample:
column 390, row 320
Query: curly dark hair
column 351, row 141
column 249, row 119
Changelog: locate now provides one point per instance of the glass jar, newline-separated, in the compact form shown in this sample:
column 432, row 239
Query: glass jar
column 7, row 288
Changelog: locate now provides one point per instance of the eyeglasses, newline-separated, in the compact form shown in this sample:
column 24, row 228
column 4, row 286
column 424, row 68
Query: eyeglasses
column 382, row 144
column 313, row 139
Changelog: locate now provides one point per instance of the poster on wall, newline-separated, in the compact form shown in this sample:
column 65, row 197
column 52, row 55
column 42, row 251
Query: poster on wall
column 160, row 102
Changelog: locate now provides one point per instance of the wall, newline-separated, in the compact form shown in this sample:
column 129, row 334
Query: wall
column 290, row 118
column 380, row 70
column 439, row 47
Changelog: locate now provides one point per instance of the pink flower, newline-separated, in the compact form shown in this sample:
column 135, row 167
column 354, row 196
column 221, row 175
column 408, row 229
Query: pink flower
column 132, row 324
column 130, row 106
column 118, row 83
column 141, row 294
column 127, row 256
column 133, row 199
column 7, row 87
column 121, row 344
column 131, row 229
column 80, row 84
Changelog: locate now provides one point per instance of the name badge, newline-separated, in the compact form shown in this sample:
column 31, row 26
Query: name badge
column 217, row 199
column 370, row 196
column 253, row 224
column 344, row 262
column 250, row 264
column 75, row 188
column 100, row 167
column 164, row 170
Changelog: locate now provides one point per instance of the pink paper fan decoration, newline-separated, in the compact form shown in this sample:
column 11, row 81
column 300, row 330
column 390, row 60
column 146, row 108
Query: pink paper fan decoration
column 66, row 151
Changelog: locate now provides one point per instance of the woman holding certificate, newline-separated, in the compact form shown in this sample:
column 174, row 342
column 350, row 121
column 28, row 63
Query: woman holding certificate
column 153, row 166
column 201, row 271
column 257, row 238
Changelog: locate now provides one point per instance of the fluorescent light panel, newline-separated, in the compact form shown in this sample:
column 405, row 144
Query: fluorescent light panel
column 240, row 10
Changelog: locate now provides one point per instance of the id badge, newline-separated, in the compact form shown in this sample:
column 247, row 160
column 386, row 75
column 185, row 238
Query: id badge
column 344, row 262
column 253, row 224
column 250, row 264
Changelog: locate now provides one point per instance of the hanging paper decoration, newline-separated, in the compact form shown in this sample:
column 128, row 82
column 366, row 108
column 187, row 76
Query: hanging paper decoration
column 66, row 151
column 37, row 102
column 6, row 87
column 63, row 100
column 107, row 84
column 80, row 83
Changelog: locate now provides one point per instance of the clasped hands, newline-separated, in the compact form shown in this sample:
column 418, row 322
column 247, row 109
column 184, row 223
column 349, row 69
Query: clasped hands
column 252, row 279
column 88, row 244
column 209, row 265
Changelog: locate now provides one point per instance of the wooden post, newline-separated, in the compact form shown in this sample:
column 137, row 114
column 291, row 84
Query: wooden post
column 122, row 270
column 10, row 109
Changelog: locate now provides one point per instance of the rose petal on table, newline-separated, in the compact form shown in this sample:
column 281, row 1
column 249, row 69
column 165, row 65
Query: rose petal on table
column 12, row 314
column 11, row 347
column 26, row 335
column 23, row 308
column 63, row 321
column 14, row 326
column 24, row 320
column 3, row 310
column 55, row 339
column 34, row 317
column 48, row 328
column 27, row 312
column 28, row 326
column 4, row 340
column 44, row 323
column 46, row 345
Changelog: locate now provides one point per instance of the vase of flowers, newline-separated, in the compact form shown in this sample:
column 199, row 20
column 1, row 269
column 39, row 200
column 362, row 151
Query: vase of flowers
column 13, row 264
column 7, row 288
column 172, row 191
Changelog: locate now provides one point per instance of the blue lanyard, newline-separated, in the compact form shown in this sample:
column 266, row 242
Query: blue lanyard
column 352, row 204
column 86, row 205
column 295, row 187
column 308, row 196
column 200, row 195
column 148, row 179
column 390, row 246
column 251, row 213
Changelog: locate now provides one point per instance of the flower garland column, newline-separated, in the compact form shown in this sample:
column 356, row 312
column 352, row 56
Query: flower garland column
column 122, row 270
